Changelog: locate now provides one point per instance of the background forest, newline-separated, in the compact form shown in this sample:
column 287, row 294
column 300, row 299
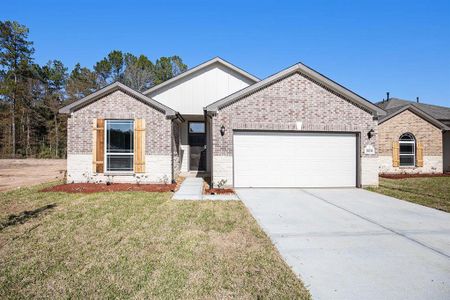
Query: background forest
column 31, row 94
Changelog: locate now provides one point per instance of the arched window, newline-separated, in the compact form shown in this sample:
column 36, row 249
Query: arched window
column 407, row 144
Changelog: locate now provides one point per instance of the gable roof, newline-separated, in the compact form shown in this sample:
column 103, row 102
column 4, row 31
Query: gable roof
column 117, row 86
column 438, row 112
column 396, row 110
column 199, row 68
column 306, row 71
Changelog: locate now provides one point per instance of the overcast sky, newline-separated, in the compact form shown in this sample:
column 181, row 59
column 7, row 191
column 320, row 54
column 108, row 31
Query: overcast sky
column 369, row 47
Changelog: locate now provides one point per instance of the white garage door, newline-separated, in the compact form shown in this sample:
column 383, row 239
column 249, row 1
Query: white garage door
column 275, row 159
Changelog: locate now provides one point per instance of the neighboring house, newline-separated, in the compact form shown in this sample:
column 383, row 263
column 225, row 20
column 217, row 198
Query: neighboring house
column 414, row 137
column 296, row 128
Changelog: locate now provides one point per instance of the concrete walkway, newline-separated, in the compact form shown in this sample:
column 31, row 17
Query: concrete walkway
column 191, row 189
column 355, row 244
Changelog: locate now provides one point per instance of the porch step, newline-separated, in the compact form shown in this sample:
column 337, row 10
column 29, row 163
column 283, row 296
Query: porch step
column 190, row 189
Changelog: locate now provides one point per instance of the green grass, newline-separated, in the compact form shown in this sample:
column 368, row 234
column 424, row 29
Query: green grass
column 135, row 245
column 429, row 191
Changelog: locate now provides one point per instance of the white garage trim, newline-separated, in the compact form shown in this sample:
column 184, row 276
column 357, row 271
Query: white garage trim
column 296, row 159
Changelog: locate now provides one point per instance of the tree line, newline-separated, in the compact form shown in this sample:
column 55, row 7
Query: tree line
column 31, row 94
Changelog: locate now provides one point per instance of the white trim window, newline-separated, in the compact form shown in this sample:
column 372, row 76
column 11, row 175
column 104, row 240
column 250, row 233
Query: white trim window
column 119, row 145
column 407, row 152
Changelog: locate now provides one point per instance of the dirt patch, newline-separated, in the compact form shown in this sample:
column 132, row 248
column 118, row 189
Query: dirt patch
column 15, row 173
column 219, row 191
column 115, row 187
column 403, row 176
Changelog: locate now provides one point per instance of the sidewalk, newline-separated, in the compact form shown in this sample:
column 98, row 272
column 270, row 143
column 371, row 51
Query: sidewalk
column 190, row 189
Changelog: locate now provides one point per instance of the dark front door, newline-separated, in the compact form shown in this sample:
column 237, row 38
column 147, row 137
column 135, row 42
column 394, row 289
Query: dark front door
column 197, row 145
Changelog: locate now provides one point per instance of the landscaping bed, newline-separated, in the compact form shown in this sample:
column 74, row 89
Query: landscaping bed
column 216, row 191
column 403, row 176
column 114, row 187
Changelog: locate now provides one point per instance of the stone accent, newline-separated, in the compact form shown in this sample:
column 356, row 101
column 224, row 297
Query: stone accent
column 369, row 171
column 281, row 106
column 79, row 167
column 431, row 164
column 424, row 132
column 185, row 158
column 158, row 168
column 223, row 170
column 159, row 146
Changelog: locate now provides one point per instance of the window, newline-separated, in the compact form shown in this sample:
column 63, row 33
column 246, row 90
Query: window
column 196, row 134
column 196, row 127
column 407, row 144
column 119, row 145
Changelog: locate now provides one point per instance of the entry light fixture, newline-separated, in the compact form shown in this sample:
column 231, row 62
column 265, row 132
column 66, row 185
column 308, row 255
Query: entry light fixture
column 371, row 133
column 222, row 130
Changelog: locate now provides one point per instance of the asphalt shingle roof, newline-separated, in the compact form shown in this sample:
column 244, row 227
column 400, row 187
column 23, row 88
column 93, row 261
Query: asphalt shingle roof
column 440, row 113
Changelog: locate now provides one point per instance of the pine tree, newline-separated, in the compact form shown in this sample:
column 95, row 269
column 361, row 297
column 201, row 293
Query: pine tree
column 15, row 55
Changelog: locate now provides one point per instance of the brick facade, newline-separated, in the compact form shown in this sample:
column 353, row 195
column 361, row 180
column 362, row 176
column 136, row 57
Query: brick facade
column 429, row 135
column 118, row 105
column 280, row 106
column 426, row 133
column 161, row 143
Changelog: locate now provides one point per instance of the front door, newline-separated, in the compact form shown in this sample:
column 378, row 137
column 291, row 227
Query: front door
column 197, row 145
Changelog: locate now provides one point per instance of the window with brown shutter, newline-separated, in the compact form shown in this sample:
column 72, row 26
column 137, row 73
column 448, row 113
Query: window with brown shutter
column 395, row 154
column 407, row 150
column 419, row 154
column 119, row 146
column 98, row 145
column 139, row 146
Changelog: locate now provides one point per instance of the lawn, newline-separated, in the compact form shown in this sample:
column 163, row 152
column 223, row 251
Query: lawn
column 429, row 191
column 135, row 245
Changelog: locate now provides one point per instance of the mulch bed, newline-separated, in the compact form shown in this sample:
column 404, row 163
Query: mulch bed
column 403, row 176
column 115, row 187
column 219, row 191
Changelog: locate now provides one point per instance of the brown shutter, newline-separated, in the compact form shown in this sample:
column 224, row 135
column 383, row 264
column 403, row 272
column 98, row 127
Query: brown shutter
column 98, row 145
column 419, row 155
column 395, row 154
column 139, row 146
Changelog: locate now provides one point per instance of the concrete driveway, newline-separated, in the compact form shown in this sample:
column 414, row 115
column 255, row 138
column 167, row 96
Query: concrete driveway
column 355, row 244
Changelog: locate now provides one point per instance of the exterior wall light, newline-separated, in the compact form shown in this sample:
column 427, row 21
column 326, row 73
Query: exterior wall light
column 222, row 130
column 371, row 133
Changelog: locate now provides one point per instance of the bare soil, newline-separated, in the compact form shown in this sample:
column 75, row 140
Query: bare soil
column 15, row 173
column 88, row 188
column 404, row 176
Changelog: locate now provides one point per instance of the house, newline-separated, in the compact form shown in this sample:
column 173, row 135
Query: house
column 413, row 137
column 296, row 128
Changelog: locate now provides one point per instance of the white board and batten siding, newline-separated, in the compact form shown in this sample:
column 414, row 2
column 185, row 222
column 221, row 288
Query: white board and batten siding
column 190, row 95
column 276, row 159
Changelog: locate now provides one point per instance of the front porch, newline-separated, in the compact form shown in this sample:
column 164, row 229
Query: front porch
column 195, row 146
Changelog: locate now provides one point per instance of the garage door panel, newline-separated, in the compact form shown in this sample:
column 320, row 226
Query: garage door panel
column 276, row 159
